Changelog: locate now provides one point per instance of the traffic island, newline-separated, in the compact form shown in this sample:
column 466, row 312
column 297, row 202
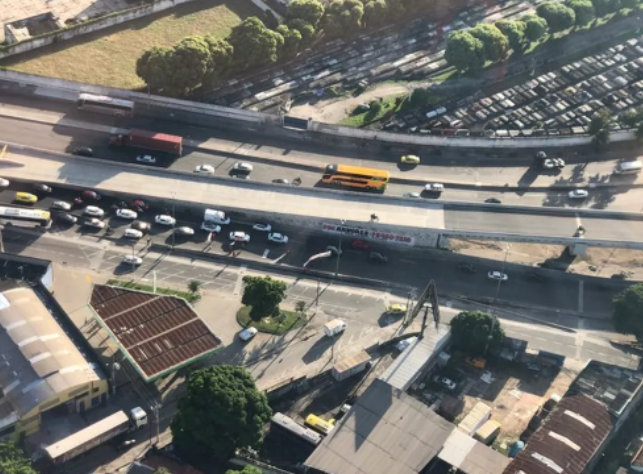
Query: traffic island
column 286, row 321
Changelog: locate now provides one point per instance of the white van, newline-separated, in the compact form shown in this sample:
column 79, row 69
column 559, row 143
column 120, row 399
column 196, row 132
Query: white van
column 436, row 112
column 629, row 167
column 218, row 217
column 333, row 327
column 132, row 234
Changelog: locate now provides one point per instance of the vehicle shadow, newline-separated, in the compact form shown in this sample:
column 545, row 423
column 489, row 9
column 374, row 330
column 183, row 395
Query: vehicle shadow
column 319, row 349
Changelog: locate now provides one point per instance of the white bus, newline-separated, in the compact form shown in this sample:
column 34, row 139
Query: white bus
column 37, row 216
column 106, row 105
column 290, row 426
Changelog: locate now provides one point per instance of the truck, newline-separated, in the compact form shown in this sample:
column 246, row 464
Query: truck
column 96, row 434
column 148, row 140
column 217, row 217
column 333, row 327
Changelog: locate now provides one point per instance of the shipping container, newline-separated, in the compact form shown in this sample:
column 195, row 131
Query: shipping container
column 351, row 366
column 477, row 417
column 488, row 432
column 149, row 140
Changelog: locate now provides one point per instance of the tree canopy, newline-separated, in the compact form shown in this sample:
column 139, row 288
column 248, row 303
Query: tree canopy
column 13, row 460
column 264, row 295
column 496, row 44
column 309, row 11
column 584, row 11
column 628, row 310
column 535, row 27
column 558, row 16
column 472, row 332
column 600, row 120
column 464, row 52
column 221, row 412
column 254, row 44
column 342, row 16
column 247, row 469
column 514, row 31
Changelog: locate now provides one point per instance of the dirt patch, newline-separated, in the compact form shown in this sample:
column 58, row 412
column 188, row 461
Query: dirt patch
column 597, row 262
column 338, row 108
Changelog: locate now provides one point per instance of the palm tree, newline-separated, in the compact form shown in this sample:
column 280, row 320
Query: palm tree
column 194, row 286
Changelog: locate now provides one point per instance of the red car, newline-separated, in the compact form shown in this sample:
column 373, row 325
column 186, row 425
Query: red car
column 139, row 205
column 88, row 194
column 360, row 245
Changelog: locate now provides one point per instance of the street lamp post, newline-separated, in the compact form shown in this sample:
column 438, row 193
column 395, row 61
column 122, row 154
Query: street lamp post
column 115, row 367
column 173, row 220
column 339, row 247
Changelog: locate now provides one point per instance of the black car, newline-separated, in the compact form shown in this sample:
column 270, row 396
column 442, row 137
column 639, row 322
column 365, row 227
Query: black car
column 377, row 257
column 65, row 218
column 42, row 188
column 140, row 225
column 83, row 151
column 493, row 201
column 467, row 268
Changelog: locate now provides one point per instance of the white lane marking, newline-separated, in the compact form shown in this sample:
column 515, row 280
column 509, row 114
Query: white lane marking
column 265, row 253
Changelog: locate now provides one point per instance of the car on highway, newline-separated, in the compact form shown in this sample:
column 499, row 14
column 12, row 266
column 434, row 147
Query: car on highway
column 434, row 187
column 493, row 201
column 25, row 198
column 63, row 205
column 164, row 219
column 578, row 194
column 42, row 188
column 412, row 195
column 278, row 238
column 204, row 169
column 445, row 382
column 94, row 222
column 238, row 236
column 146, row 159
column 243, row 167
column 132, row 234
column 404, row 343
column 83, row 151
column 467, row 268
column 397, row 308
column 247, row 334
column 93, row 211
column 360, row 245
column 4, row 183
column 126, row 214
column 281, row 181
column 142, row 226
column 262, row 227
column 377, row 257
column 65, row 218
column 333, row 250
column 410, row 159
column 132, row 260
column 496, row 275
column 184, row 230
column 541, row 155
column 139, row 205
column 210, row 227
column 91, row 195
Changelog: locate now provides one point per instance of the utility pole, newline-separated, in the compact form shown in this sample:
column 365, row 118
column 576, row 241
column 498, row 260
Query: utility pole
column 174, row 220
column 2, row 239
column 115, row 367
column 339, row 248
column 157, row 409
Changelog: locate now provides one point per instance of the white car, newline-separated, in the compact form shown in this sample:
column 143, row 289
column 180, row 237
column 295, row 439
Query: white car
column 278, row 238
column 126, row 214
column 95, row 223
column 132, row 234
column 146, row 159
column 496, row 275
column 248, row 333
column 434, row 188
column 65, row 206
column 4, row 183
column 94, row 211
column 262, row 227
column 184, row 230
column 445, row 382
column 403, row 344
column 210, row 227
column 132, row 260
column 578, row 194
column 412, row 195
column 239, row 236
column 164, row 219
column 245, row 167
column 204, row 169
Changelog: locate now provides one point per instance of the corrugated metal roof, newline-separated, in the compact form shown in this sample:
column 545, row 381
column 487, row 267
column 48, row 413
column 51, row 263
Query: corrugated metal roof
column 567, row 440
column 470, row 456
column 37, row 359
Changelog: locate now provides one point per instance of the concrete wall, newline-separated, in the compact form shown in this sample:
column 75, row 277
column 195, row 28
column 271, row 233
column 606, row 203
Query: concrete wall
column 90, row 26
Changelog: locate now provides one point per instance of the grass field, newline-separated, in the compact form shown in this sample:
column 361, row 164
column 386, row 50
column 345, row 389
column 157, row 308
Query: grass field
column 287, row 322
column 108, row 57
column 191, row 297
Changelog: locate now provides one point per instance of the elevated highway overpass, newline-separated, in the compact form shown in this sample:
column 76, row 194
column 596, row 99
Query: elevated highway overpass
column 404, row 221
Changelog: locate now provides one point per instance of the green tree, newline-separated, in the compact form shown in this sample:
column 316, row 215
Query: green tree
column 254, row 44
column 247, row 469
column 221, row 412
column 306, row 30
column 420, row 98
column 496, row 44
column 220, row 58
column 630, row 3
column 292, row 40
column 639, row 132
column 155, row 67
column 628, row 310
column 309, row 11
column 535, row 27
column 190, row 62
column 631, row 118
column 584, row 11
column 600, row 120
column 264, row 295
column 601, row 7
column 464, row 52
column 194, row 286
column 343, row 16
column 602, row 138
column 558, row 16
column 13, row 460
column 376, row 12
column 475, row 331
column 162, row 470
column 514, row 31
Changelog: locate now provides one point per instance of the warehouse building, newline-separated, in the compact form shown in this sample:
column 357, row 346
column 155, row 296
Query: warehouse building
column 42, row 370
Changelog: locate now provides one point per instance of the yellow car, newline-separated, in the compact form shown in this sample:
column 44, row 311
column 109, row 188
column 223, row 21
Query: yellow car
column 26, row 198
column 410, row 159
column 396, row 309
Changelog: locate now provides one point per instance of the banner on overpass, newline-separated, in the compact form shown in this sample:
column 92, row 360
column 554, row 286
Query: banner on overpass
column 370, row 234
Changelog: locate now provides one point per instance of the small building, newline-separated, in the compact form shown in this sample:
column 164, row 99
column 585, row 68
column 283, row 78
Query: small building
column 351, row 365
column 478, row 416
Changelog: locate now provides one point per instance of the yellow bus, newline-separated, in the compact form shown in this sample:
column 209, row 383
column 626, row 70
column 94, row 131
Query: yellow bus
column 316, row 423
column 356, row 177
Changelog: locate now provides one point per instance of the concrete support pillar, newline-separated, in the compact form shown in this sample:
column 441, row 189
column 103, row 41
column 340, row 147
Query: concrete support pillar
column 577, row 249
